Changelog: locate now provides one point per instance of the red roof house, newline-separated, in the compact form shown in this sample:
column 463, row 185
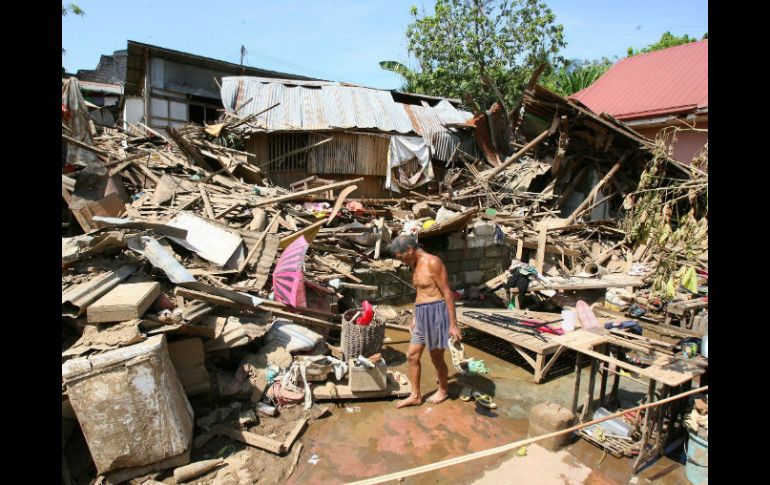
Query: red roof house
column 651, row 91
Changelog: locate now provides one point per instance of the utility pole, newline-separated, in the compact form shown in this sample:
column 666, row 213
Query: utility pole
column 243, row 52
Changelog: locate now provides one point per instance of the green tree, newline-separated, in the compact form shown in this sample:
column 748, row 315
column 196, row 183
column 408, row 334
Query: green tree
column 411, row 77
column 464, row 42
column 71, row 7
column 666, row 40
column 575, row 75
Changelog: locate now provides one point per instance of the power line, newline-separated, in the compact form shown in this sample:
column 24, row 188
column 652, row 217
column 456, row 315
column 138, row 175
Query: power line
column 297, row 66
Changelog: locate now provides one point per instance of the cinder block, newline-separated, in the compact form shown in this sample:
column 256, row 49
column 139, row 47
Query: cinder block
column 453, row 267
column 474, row 277
column 124, row 302
column 489, row 263
column 475, row 253
column 456, row 241
column 479, row 241
column 470, row 265
column 496, row 251
column 484, row 229
column 454, row 255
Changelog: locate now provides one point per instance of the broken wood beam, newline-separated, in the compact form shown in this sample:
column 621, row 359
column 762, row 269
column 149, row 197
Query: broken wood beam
column 320, row 261
column 303, row 193
column 549, row 248
column 226, row 302
column 206, row 201
column 294, row 434
column 508, row 161
column 254, row 249
column 590, row 198
column 252, row 439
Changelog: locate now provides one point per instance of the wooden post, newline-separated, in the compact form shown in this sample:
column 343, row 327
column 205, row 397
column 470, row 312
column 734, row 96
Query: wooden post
column 603, row 385
column 577, row 384
column 591, row 385
column 645, row 427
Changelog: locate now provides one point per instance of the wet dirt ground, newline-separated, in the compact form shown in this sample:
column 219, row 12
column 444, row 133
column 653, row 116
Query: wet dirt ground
column 363, row 439
column 370, row 438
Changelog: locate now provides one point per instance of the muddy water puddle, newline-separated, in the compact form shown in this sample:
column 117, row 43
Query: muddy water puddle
column 372, row 438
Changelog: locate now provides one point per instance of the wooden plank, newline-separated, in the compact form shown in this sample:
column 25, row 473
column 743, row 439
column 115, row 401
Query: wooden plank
column 222, row 301
column 303, row 193
column 294, row 434
column 549, row 248
column 550, row 363
column 206, row 201
column 309, row 233
column 517, row 338
column 576, row 389
column 258, row 244
column 124, row 302
column 529, row 359
column 229, row 209
column 542, row 136
column 590, row 198
column 520, row 248
column 340, row 199
column 661, row 370
column 351, row 276
column 252, row 439
column 540, row 255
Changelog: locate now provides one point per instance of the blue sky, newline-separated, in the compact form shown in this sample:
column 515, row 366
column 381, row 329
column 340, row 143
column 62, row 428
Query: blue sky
column 343, row 39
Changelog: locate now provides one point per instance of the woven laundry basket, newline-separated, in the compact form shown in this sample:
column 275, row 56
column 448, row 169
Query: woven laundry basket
column 363, row 340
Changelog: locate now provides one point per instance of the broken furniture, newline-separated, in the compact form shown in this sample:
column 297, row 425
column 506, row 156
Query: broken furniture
column 313, row 183
column 543, row 346
column 674, row 373
column 687, row 315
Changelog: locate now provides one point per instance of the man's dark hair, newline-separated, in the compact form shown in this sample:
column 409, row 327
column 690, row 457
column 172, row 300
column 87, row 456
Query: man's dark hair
column 402, row 244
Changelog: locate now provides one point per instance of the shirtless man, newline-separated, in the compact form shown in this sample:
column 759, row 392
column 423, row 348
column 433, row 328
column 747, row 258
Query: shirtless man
column 434, row 317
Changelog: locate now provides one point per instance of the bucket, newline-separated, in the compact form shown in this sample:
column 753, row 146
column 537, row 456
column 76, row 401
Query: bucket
column 569, row 319
column 697, row 467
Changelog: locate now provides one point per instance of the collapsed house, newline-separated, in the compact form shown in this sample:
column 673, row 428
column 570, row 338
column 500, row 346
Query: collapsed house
column 202, row 270
column 336, row 130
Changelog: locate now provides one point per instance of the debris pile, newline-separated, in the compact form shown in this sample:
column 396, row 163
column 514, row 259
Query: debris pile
column 189, row 250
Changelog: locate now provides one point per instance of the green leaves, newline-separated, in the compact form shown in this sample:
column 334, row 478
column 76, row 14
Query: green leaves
column 666, row 40
column 71, row 8
column 464, row 40
column 575, row 75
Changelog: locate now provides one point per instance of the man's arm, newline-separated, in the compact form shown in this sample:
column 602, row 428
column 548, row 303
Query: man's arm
column 441, row 278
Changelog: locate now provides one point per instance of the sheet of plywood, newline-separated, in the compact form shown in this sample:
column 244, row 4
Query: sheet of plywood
column 209, row 240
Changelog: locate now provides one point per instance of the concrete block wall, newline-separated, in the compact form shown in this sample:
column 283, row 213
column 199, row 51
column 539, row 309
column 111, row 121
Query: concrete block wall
column 470, row 260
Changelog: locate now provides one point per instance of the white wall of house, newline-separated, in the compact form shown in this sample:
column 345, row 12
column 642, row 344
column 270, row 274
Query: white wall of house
column 133, row 110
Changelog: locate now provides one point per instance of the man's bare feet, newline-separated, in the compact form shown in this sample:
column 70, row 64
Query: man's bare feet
column 438, row 397
column 412, row 400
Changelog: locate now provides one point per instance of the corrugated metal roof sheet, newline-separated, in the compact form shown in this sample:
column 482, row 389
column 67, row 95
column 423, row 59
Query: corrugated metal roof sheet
column 318, row 105
column 672, row 80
